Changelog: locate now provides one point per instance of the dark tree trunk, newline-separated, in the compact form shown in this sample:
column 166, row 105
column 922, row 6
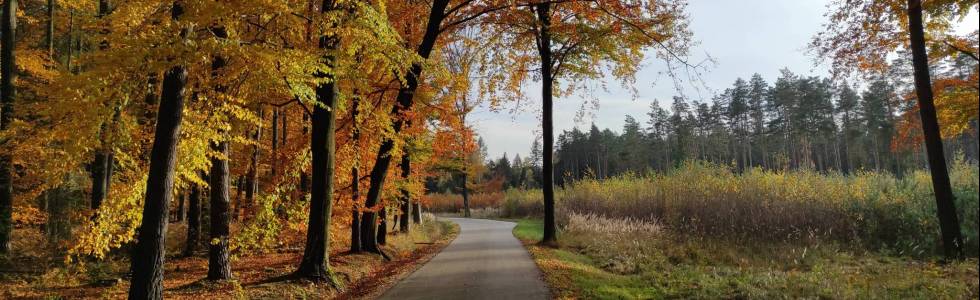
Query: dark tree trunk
column 237, row 205
column 148, row 256
column 275, row 143
column 99, row 188
column 383, row 226
column 102, row 164
column 404, row 101
column 219, row 268
column 316, row 255
column 417, row 213
column 49, row 30
column 7, row 77
column 466, row 196
column 304, row 179
column 180, row 207
column 406, row 198
column 547, row 80
column 252, row 178
column 283, row 130
column 355, row 225
column 193, row 222
column 946, row 208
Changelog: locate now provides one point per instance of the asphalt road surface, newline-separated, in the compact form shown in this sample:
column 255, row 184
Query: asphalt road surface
column 484, row 262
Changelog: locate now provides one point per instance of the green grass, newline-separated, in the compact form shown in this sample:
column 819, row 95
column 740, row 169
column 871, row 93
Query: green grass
column 585, row 267
column 529, row 229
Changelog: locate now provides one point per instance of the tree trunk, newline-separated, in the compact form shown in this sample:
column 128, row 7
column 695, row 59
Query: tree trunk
column 8, row 75
column 383, row 226
column 406, row 198
column 148, row 256
column 466, row 197
column 219, row 268
column 237, row 205
column 404, row 101
column 417, row 213
column 547, row 80
column 252, row 179
column 946, row 209
column 102, row 164
column 180, row 207
column 275, row 143
column 193, row 222
column 316, row 256
column 99, row 166
column 355, row 225
column 49, row 30
column 304, row 180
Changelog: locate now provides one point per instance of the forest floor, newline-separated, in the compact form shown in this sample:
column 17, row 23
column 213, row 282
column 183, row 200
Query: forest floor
column 589, row 267
column 257, row 276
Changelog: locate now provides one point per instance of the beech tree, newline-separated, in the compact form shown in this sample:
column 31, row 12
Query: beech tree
column 149, row 253
column 577, row 41
column 852, row 45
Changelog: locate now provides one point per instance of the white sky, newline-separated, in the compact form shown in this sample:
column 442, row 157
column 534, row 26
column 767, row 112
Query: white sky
column 743, row 37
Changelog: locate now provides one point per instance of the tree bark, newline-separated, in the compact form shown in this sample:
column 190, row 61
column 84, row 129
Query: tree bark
column 275, row 143
column 547, row 81
column 49, row 30
column 355, row 225
column 193, row 221
column 404, row 101
column 406, row 197
column 417, row 213
column 252, row 178
column 946, row 209
column 7, row 94
column 383, row 226
column 316, row 255
column 102, row 164
column 148, row 257
column 466, row 197
column 219, row 267
column 181, row 208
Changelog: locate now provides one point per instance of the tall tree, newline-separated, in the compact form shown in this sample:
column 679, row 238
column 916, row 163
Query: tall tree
column 219, row 266
column 948, row 222
column 404, row 102
column 104, row 158
column 315, row 263
column 579, row 41
column 149, row 253
column 853, row 45
column 8, row 75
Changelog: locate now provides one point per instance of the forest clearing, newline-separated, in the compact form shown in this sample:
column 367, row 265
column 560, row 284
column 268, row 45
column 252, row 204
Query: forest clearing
column 357, row 149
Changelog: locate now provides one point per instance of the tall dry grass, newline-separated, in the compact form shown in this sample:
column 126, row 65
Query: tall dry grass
column 874, row 211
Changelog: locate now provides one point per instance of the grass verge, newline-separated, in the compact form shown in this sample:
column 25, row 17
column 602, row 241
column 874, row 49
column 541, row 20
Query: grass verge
column 598, row 266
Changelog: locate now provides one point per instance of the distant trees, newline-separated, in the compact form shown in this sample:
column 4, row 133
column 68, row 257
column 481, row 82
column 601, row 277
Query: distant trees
column 797, row 123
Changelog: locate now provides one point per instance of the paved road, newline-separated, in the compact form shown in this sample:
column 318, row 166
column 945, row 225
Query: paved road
column 484, row 262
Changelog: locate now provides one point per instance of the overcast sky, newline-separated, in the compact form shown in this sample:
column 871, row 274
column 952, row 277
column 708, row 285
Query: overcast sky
column 743, row 37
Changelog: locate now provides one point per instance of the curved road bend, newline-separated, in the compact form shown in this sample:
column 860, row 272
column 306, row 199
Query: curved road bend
column 485, row 261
